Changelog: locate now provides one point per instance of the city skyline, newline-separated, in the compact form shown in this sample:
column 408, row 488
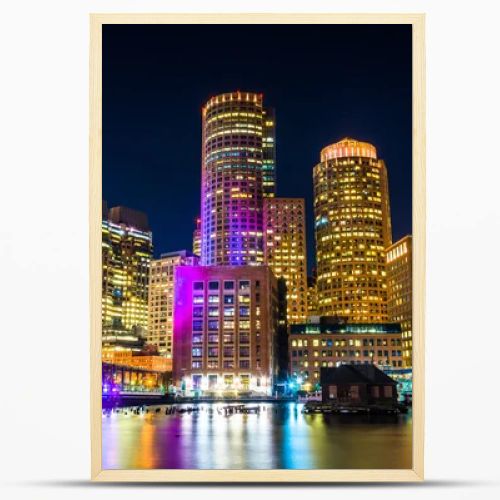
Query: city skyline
column 231, row 341
column 236, row 158
column 377, row 110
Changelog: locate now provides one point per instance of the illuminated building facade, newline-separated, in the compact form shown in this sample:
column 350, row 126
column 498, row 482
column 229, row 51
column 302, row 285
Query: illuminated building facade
column 268, row 153
column 399, row 287
column 122, row 360
column 352, row 229
column 285, row 251
column 145, row 362
column 161, row 298
column 197, row 238
column 129, row 381
column 117, row 338
column 127, row 250
column 327, row 342
column 232, row 186
column 225, row 319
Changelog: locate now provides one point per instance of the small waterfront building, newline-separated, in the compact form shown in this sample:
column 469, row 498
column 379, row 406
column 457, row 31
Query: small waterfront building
column 358, row 385
column 123, row 380
column 145, row 357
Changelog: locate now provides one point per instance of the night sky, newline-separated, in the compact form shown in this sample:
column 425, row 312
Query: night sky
column 324, row 81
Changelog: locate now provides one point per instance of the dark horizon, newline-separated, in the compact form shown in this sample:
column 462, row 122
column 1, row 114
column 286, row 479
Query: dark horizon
column 325, row 82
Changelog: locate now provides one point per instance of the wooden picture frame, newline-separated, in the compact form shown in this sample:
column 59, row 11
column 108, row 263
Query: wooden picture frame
column 416, row 473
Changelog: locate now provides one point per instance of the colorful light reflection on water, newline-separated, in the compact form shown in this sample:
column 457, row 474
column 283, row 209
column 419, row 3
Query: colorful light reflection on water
column 278, row 437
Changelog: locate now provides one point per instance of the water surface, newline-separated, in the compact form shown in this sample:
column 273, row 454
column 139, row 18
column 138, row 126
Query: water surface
column 278, row 437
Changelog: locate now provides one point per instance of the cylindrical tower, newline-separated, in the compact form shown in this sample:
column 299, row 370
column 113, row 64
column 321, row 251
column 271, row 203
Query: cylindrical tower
column 352, row 228
column 232, row 182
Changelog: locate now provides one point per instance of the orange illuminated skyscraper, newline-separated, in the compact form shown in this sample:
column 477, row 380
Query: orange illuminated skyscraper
column 399, row 286
column 353, row 229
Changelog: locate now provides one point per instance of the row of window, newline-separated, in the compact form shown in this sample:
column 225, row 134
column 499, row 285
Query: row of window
column 228, row 311
column 329, row 354
column 227, row 364
column 228, row 352
column 305, row 374
column 345, row 342
column 244, row 285
column 227, row 338
column 227, row 325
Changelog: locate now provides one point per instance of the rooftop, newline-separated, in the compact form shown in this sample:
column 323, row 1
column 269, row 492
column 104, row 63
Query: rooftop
column 348, row 374
column 129, row 217
column 348, row 148
column 178, row 253
column 330, row 327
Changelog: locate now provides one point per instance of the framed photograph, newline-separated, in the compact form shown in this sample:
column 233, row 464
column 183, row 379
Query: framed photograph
column 257, row 247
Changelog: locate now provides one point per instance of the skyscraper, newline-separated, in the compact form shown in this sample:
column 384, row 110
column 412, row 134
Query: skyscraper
column 285, row 251
column 232, row 186
column 161, row 298
column 127, row 250
column 399, row 289
column 352, row 229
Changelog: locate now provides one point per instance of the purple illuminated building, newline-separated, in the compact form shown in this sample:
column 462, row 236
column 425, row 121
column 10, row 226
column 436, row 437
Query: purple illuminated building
column 238, row 170
column 226, row 309
column 225, row 324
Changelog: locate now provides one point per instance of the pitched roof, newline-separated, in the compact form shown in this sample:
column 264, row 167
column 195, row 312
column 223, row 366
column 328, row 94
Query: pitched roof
column 374, row 374
column 348, row 374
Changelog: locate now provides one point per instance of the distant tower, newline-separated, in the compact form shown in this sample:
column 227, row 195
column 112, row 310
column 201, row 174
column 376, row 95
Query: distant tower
column 399, row 289
column 232, row 186
column 161, row 298
column 353, row 229
column 197, row 237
